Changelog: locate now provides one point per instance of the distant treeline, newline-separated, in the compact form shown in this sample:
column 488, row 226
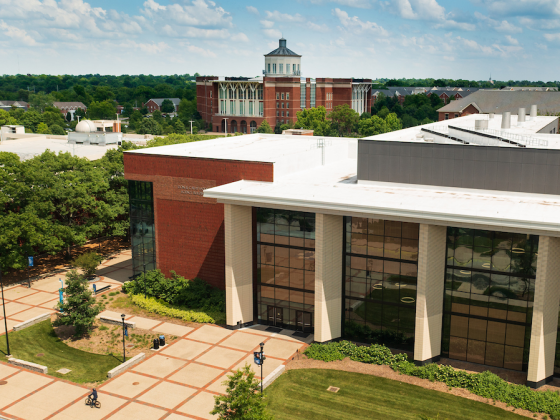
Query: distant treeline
column 460, row 83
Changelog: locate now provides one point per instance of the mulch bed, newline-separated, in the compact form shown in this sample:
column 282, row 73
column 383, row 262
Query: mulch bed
column 348, row 365
column 50, row 264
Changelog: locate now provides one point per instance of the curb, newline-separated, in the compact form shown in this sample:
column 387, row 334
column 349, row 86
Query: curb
column 28, row 365
column 124, row 366
column 32, row 321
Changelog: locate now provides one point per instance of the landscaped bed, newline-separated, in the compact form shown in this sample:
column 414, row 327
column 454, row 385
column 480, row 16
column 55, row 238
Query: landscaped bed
column 40, row 344
column 303, row 394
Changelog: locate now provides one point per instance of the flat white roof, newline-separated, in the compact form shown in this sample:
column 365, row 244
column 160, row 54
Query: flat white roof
column 290, row 154
column 332, row 189
column 27, row 148
column 528, row 128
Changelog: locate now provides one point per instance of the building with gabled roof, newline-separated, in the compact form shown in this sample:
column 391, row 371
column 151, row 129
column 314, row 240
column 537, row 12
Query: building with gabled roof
column 155, row 104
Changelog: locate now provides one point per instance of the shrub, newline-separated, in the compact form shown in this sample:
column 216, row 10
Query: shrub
column 243, row 399
column 79, row 308
column 485, row 384
column 88, row 263
column 161, row 307
column 177, row 291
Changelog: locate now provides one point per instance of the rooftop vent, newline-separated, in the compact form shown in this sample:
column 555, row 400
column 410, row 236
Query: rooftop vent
column 520, row 116
column 533, row 114
column 506, row 120
column 480, row 125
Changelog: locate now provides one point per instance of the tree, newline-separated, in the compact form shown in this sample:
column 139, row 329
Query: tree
column 68, row 116
column 57, row 130
column 167, row 106
column 88, row 263
column 344, row 118
column 265, row 128
column 180, row 127
column 157, row 116
column 79, row 113
column 372, row 126
column 43, row 128
column 105, row 110
column 79, row 309
column 242, row 401
column 6, row 118
column 40, row 101
column 392, row 123
column 149, row 126
column 31, row 120
column 53, row 116
column 314, row 119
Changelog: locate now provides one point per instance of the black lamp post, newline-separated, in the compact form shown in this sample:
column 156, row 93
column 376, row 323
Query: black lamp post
column 5, row 320
column 262, row 361
column 123, row 348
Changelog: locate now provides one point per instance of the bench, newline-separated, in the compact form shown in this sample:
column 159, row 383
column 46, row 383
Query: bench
column 97, row 291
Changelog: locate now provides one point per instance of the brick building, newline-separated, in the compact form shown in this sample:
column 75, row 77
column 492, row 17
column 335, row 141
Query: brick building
column 155, row 104
column 243, row 103
column 69, row 107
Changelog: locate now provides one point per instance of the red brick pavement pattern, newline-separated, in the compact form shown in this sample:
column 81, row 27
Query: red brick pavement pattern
column 166, row 385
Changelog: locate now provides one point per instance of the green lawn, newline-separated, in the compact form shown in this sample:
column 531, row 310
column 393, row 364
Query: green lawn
column 41, row 338
column 302, row 394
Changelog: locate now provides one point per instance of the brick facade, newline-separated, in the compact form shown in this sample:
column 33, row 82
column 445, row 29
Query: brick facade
column 450, row 115
column 190, row 228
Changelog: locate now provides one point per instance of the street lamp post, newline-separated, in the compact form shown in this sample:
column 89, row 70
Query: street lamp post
column 5, row 320
column 191, row 125
column 123, row 347
column 262, row 362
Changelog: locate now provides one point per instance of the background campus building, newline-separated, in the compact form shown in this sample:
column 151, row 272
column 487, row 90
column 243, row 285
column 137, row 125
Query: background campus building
column 445, row 234
column 246, row 102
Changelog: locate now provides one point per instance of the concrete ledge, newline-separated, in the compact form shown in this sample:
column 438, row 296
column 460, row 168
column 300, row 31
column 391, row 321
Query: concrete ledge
column 32, row 321
column 124, row 366
column 116, row 321
column 28, row 365
column 274, row 375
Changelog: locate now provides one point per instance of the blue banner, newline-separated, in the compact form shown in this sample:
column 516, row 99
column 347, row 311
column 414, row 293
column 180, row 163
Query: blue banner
column 30, row 261
column 125, row 330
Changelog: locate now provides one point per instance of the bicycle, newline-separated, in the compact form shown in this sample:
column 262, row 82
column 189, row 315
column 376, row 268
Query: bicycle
column 97, row 404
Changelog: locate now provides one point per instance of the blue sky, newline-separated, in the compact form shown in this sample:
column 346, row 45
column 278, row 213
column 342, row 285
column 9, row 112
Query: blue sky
column 471, row 39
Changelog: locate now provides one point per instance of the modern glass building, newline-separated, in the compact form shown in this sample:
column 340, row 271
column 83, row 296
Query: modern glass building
column 441, row 245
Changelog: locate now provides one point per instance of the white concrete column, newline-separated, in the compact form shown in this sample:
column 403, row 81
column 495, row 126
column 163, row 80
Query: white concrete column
column 239, row 263
column 429, row 297
column 545, row 313
column 328, row 277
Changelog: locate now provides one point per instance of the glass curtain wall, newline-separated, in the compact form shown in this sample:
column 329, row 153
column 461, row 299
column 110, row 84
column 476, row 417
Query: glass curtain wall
column 142, row 226
column 381, row 268
column 489, row 292
column 285, row 268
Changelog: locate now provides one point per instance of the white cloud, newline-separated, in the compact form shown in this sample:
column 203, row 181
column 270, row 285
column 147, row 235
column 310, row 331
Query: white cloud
column 272, row 33
column 169, row 31
column 318, row 28
column 240, row 37
column 253, row 10
column 357, row 26
column 522, row 7
column 512, row 40
column 452, row 24
column 540, row 24
column 17, row 34
column 552, row 37
column 149, row 48
column 200, row 51
column 359, row 4
column 197, row 13
column 418, row 9
column 284, row 17
column 448, row 58
column 500, row 26
column 267, row 24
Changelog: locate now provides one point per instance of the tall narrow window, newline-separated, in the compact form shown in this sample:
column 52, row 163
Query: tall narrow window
column 302, row 97
column 294, row 68
column 282, row 96
column 268, row 68
column 281, row 68
column 288, row 96
column 142, row 226
column 251, row 108
column 274, row 68
column 277, row 95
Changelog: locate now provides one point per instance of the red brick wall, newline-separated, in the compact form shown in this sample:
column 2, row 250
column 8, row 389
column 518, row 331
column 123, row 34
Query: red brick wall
column 467, row 111
column 206, row 97
column 189, row 227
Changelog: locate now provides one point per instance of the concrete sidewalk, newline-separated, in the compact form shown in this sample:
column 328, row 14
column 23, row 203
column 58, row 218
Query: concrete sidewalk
column 177, row 382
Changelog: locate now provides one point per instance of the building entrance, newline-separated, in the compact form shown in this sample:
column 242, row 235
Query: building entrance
column 275, row 316
column 304, row 321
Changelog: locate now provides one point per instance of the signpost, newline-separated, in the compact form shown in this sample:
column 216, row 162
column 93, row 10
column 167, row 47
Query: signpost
column 29, row 264
column 259, row 360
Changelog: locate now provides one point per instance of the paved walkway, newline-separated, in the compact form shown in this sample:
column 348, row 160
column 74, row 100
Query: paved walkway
column 177, row 382
column 23, row 303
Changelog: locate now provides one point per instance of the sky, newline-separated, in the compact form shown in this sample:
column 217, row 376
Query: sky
column 467, row 39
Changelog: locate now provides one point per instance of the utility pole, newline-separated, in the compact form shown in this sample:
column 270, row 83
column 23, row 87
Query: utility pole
column 191, row 125
column 5, row 320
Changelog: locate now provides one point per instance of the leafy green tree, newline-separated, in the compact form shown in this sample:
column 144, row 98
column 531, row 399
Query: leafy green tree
column 344, row 118
column 105, row 110
column 53, row 116
column 57, row 130
column 265, row 128
column 68, row 116
column 6, row 118
column 180, row 127
column 149, row 126
column 392, row 122
column 88, row 263
column 43, row 128
column 167, row 106
column 157, row 116
column 372, row 126
column 383, row 112
column 79, row 113
column 31, row 120
column 80, row 308
column 103, row 93
column 315, row 119
column 40, row 101
column 243, row 400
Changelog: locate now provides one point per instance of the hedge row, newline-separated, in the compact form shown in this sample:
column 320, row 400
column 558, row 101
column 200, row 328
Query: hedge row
column 485, row 384
column 161, row 307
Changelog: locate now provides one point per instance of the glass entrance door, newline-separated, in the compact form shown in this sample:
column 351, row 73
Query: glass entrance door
column 275, row 316
column 303, row 321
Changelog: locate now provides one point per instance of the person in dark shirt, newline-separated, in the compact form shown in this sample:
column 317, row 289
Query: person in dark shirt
column 93, row 396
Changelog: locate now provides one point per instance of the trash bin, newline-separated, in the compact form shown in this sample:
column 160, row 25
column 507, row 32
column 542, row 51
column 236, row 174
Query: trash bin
column 162, row 340
column 156, row 344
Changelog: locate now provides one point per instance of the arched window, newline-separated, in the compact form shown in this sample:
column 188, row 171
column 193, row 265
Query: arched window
column 243, row 126
column 253, row 127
